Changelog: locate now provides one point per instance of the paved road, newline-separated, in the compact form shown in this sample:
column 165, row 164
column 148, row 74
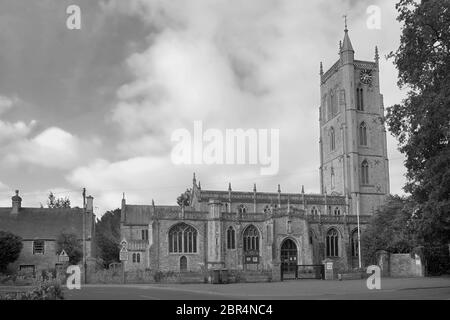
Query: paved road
column 410, row 289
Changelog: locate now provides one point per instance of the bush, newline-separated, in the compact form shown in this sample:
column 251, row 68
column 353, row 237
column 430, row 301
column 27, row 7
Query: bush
column 43, row 290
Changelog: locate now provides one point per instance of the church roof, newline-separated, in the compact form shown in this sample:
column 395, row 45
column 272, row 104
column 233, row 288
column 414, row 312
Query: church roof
column 268, row 197
column 44, row 223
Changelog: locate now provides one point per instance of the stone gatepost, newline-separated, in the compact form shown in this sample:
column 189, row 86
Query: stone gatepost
column 383, row 262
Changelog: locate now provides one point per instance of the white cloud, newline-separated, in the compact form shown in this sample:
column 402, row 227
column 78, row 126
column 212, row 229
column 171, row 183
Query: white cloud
column 251, row 65
column 6, row 103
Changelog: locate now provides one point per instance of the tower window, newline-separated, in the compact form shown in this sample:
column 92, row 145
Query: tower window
column 231, row 238
column 332, row 139
column 363, row 134
column 365, row 172
column 332, row 178
column 332, row 243
column 314, row 211
column 359, row 99
column 337, row 211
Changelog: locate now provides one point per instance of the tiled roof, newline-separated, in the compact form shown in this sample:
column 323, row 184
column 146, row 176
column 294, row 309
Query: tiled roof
column 44, row 223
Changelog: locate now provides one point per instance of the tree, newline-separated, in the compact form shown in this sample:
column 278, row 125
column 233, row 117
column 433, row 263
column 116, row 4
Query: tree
column 184, row 199
column 107, row 236
column 10, row 247
column 54, row 203
column 70, row 244
column 392, row 228
column 421, row 123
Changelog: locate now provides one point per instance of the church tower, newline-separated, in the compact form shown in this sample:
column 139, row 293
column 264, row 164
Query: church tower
column 353, row 150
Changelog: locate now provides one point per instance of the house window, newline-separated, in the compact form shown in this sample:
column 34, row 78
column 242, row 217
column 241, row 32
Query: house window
column 365, row 172
column 354, row 243
column 144, row 234
column 337, row 211
column 332, row 139
column 242, row 208
column 38, row 247
column 359, row 99
column 183, row 263
column 332, row 243
column 182, row 239
column 231, row 238
column 363, row 134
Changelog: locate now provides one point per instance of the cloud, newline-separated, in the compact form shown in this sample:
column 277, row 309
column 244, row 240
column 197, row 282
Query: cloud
column 53, row 148
column 6, row 103
column 254, row 65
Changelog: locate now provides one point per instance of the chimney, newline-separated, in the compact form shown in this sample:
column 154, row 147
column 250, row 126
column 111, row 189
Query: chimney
column 90, row 204
column 16, row 203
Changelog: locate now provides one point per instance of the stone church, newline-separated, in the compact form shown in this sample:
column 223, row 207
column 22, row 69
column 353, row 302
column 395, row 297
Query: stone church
column 281, row 232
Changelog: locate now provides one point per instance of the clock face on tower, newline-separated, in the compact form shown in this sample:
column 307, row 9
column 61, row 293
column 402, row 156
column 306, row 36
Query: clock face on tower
column 365, row 76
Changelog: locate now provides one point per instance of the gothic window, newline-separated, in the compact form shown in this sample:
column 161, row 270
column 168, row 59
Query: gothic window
column 359, row 99
column 337, row 211
column 242, row 208
column 354, row 243
column 231, row 238
column 329, row 105
column 182, row 239
column 38, row 247
column 332, row 178
column 314, row 211
column 267, row 209
column 251, row 240
column 332, row 139
column 144, row 234
column 363, row 134
column 138, row 257
column 183, row 263
column 134, row 257
column 365, row 172
column 332, row 243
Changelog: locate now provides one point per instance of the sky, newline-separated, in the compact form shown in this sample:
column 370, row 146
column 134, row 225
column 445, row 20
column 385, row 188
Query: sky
column 96, row 107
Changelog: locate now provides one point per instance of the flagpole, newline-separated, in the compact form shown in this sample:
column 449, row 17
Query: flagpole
column 84, row 234
column 359, row 231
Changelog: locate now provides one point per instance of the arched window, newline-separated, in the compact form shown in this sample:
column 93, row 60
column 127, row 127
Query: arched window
column 138, row 257
column 251, row 240
column 183, row 263
column 363, row 134
column 332, row 243
column 332, row 139
column 354, row 243
column 242, row 208
column 365, row 172
column 314, row 211
column 359, row 99
column 337, row 211
column 182, row 239
column 134, row 257
column 231, row 238
column 332, row 178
